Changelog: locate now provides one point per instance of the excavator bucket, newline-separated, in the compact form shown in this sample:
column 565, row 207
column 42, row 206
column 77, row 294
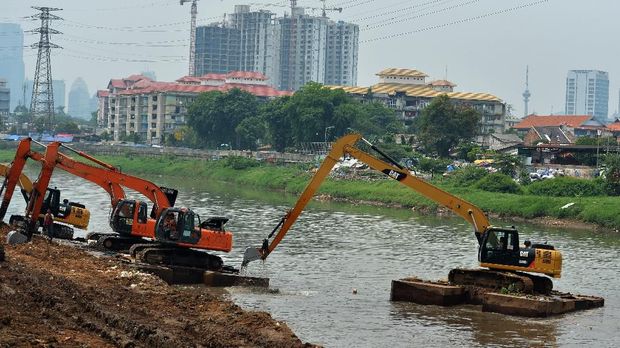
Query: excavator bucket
column 251, row 254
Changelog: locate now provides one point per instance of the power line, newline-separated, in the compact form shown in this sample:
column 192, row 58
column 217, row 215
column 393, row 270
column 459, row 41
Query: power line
column 400, row 10
column 460, row 21
column 392, row 21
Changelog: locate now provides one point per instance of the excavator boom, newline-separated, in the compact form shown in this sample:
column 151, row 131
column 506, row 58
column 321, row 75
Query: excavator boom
column 345, row 146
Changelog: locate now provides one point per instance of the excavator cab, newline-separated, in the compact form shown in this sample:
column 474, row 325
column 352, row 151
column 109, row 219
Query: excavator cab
column 500, row 249
column 178, row 225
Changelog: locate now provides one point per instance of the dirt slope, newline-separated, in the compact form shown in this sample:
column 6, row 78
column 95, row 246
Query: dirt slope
column 58, row 296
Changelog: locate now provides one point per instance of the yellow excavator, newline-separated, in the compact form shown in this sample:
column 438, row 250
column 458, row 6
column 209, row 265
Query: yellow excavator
column 65, row 212
column 499, row 251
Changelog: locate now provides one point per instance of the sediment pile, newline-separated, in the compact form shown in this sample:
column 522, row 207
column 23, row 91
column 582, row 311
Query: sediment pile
column 57, row 295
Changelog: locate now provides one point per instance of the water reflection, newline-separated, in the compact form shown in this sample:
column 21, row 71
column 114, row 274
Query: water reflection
column 484, row 329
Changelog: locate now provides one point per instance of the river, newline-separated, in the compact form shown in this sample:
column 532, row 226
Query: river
column 335, row 248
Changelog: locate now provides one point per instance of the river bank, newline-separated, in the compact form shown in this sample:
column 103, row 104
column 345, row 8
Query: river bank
column 581, row 212
column 57, row 295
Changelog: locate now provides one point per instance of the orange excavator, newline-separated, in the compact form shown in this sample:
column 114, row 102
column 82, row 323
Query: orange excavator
column 172, row 233
column 499, row 250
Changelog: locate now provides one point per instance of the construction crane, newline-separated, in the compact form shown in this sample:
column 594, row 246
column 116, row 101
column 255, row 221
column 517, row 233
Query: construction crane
column 324, row 9
column 192, row 36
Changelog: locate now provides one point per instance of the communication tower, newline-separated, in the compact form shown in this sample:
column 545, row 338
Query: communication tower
column 527, row 94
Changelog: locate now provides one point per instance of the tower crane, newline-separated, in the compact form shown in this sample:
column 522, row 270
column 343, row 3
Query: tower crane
column 192, row 39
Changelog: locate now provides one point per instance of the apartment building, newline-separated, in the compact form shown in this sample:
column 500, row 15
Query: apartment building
column 137, row 105
column 218, row 49
column 5, row 98
column 259, row 41
column 407, row 93
column 342, row 53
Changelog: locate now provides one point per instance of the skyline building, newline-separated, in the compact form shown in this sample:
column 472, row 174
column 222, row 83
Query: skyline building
column 259, row 41
column 12, row 61
column 342, row 53
column 587, row 93
column 303, row 49
column 80, row 104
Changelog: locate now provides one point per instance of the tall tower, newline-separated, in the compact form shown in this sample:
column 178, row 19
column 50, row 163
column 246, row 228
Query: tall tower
column 42, row 103
column 527, row 94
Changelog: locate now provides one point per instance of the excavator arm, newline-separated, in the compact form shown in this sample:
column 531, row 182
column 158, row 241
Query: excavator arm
column 346, row 146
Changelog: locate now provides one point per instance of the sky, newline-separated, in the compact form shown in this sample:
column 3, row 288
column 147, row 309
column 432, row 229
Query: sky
column 481, row 45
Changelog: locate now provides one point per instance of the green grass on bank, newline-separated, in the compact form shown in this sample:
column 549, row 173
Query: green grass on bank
column 601, row 210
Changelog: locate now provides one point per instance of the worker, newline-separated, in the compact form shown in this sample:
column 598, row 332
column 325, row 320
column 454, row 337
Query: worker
column 170, row 226
column 48, row 225
column 502, row 243
column 527, row 244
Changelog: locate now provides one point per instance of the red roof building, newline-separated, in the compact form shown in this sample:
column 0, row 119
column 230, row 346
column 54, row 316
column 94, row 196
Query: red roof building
column 571, row 121
column 152, row 109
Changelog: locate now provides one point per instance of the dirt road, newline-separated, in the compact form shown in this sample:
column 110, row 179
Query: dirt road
column 58, row 296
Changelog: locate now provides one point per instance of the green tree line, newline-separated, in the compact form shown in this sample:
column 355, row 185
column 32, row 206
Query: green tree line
column 313, row 114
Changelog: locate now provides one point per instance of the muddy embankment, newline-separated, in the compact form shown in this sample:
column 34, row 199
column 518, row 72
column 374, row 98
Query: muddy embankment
column 56, row 295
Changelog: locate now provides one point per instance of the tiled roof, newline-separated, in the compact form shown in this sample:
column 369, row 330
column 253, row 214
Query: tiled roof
column 401, row 72
column 189, row 79
column 163, row 87
column 614, row 126
column 246, row 75
column 213, row 76
column 416, row 91
column 552, row 120
column 117, row 83
column 442, row 83
column 103, row 93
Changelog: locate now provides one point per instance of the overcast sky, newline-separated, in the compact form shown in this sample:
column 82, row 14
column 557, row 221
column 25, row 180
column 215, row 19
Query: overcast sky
column 485, row 44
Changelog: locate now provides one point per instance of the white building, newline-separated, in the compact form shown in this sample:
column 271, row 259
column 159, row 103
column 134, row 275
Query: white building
column 303, row 49
column 259, row 41
column 342, row 53
column 587, row 93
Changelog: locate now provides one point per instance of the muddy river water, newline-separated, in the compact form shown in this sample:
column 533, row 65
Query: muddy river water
column 335, row 248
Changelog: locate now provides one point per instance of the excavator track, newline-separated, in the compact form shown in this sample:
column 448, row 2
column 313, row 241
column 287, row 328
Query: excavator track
column 491, row 279
column 63, row 231
column 171, row 256
column 136, row 248
column 113, row 242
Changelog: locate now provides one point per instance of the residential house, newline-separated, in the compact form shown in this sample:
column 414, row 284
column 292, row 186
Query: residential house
column 577, row 125
column 548, row 135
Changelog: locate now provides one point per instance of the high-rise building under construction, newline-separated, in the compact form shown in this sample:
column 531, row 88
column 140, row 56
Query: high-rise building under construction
column 291, row 51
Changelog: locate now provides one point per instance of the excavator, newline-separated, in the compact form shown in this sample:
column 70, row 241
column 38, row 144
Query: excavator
column 65, row 213
column 172, row 234
column 507, row 264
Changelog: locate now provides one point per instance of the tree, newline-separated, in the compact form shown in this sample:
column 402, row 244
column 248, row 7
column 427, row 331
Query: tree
column 68, row 127
column 442, row 125
column 278, row 123
column 250, row 131
column 215, row 115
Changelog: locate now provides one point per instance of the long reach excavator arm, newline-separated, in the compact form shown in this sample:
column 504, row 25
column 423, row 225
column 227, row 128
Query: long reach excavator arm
column 498, row 247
